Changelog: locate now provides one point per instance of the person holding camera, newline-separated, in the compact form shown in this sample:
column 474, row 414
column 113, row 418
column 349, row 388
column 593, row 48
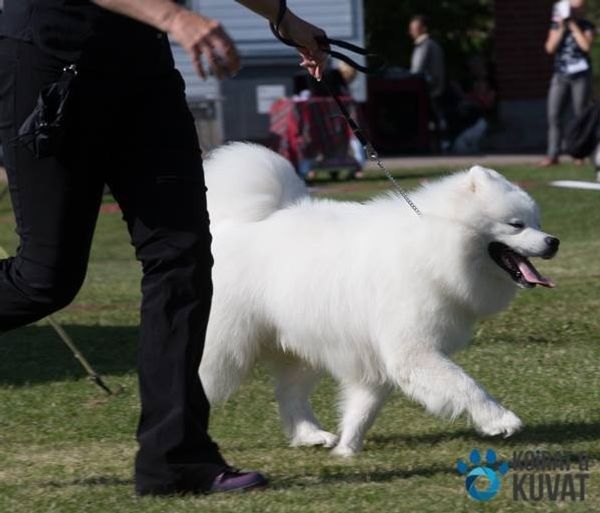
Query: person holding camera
column 126, row 124
column 570, row 40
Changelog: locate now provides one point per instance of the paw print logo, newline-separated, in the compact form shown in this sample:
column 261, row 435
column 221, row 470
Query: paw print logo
column 480, row 472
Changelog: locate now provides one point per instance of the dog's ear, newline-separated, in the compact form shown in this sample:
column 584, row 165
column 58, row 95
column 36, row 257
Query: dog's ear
column 479, row 176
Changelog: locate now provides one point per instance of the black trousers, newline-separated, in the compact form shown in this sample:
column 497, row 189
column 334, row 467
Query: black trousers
column 129, row 127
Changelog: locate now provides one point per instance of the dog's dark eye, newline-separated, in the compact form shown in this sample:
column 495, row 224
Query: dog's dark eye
column 517, row 225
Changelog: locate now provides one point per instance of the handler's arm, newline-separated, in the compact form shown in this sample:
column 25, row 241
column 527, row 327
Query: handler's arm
column 302, row 33
column 201, row 35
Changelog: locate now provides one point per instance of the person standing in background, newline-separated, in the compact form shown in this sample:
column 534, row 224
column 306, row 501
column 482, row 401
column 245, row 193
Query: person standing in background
column 570, row 40
column 428, row 59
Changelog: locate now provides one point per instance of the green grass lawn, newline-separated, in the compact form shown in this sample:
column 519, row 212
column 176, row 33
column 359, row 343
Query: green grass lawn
column 65, row 448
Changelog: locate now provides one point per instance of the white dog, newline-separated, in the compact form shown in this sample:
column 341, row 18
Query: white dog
column 371, row 293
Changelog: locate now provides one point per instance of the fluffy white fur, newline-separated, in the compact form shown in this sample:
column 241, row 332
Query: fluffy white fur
column 370, row 293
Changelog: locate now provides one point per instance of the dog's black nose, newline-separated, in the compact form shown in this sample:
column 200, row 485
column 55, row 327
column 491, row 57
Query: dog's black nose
column 553, row 243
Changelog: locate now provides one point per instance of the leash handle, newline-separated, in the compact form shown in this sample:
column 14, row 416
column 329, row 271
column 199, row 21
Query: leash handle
column 325, row 44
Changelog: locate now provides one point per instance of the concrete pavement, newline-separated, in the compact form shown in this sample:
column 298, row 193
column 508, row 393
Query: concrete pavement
column 455, row 161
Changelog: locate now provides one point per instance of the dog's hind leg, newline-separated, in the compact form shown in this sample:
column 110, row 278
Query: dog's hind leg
column 221, row 376
column 360, row 404
column 294, row 382
column 229, row 354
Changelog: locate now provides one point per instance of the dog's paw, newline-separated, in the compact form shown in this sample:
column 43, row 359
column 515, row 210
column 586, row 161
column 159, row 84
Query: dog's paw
column 344, row 451
column 506, row 424
column 316, row 437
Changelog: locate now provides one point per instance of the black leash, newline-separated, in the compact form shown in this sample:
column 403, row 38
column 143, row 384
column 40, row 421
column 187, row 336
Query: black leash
column 325, row 44
column 93, row 376
column 369, row 149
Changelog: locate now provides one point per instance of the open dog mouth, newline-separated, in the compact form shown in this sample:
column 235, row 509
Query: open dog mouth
column 520, row 269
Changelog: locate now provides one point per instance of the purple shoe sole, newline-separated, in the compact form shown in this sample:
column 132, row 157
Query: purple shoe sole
column 233, row 480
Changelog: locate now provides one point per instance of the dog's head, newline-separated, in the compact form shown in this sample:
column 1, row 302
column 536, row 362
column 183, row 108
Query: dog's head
column 509, row 220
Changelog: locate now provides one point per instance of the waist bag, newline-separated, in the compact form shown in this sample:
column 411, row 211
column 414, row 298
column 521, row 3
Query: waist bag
column 43, row 132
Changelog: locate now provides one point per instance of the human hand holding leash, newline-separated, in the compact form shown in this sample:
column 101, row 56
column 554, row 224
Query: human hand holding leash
column 304, row 36
column 307, row 36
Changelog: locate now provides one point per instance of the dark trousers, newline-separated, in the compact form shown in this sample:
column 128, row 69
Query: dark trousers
column 579, row 87
column 129, row 127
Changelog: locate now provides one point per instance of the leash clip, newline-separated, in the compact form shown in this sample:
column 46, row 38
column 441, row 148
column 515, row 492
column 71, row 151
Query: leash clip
column 371, row 152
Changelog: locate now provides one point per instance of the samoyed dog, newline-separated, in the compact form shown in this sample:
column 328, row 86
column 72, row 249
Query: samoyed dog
column 371, row 293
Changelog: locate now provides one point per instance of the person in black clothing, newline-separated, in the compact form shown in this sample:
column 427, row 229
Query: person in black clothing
column 570, row 41
column 128, row 126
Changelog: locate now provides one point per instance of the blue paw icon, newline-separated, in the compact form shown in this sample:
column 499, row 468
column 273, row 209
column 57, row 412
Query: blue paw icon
column 478, row 470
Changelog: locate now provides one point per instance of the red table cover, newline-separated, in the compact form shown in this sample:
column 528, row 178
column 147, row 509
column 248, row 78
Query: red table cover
column 312, row 129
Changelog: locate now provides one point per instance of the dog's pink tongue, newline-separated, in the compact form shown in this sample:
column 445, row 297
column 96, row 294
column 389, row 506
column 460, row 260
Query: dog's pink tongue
column 531, row 274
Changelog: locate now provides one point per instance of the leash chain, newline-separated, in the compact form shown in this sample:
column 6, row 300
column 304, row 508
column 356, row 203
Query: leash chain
column 369, row 149
column 374, row 156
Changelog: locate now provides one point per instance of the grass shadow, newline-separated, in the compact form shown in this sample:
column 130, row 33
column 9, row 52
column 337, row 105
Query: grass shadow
column 559, row 432
column 351, row 476
column 91, row 481
column 35, row 354
column 551, row 433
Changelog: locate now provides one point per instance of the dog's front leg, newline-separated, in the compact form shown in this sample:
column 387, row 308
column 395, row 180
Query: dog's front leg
column 444, row 388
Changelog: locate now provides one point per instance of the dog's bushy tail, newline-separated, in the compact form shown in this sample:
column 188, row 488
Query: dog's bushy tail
column 247, row 182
